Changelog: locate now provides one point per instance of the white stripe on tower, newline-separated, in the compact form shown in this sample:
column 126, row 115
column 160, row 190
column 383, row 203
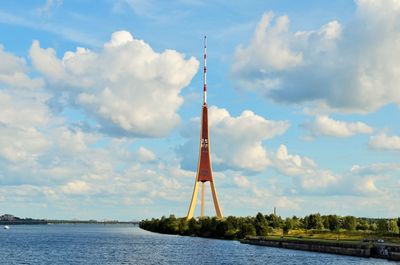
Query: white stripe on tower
column 205, row 71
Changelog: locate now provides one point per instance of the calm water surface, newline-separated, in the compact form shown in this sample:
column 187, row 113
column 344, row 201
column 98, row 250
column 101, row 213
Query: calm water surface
column 123, row 244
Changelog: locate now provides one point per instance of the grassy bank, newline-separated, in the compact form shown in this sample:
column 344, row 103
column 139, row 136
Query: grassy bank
column 342, row 235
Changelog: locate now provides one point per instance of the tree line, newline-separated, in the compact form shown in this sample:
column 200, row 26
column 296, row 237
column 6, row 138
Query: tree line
column 262, row 225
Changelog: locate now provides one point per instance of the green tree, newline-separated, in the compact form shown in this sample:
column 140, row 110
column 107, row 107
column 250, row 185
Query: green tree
column 296, row 222
column 362, row 224
column 333, row 222
column 288, row 225
column 261, row 225
column 172, row 224
column 325, row 221
column 222, row 228
column 373, row 227
column 349, row 223
column 274, row 221
column 183, row 226
column 393, row 227
column 208, row 226
column 246, row 229
column 382, row 226
column 194, row 227
column 313, row 221
column 233, row 228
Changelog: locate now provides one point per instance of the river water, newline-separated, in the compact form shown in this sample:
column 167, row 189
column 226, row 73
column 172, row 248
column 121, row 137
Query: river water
column 125, row 244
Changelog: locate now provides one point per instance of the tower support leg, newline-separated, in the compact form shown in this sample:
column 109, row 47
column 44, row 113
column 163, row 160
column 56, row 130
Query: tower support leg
column 218, row 211
column 202, row 199
column 193, row 201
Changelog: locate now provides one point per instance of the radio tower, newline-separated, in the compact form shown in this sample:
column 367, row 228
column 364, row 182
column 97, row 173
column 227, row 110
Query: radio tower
column 204, row 168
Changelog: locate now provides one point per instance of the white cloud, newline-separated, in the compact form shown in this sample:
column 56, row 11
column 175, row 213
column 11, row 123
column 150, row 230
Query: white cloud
column 72, row 141
column 269, row 48
column 10, row 63
column 308, row 178
column 284, row 202
column 241, row 181
column 13, row 72
column 23, row 108
column 22, row 144
column 374, row 169
column 42, row 152
column 304, row 170
column 325, row 126
column 23, row 115
column 49, row 6
column 236, row 142
column 292, row 165
column 127, row 87
column 319, row 181
column 385, row 142
column 351, row 68
column 368, row 185
column 118, row 38
column 145, row 155
column 77, row 187
column 373, row 179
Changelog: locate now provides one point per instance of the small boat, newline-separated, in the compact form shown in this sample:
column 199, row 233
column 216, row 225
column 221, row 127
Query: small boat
column 6, row 227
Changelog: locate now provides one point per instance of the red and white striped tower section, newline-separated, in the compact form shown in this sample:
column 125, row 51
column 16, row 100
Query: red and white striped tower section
column 205, row 72
column 204, row 167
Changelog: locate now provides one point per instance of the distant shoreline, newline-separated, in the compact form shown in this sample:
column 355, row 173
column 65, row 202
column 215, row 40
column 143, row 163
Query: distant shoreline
column 39, row 222
column 50, row 222
column 9, row 219
column 91, row 222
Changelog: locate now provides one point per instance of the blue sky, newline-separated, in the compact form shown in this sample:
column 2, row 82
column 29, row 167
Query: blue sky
column 100, row 105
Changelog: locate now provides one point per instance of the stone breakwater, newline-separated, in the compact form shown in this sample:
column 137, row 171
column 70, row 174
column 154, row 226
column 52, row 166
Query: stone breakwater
column 358, row 249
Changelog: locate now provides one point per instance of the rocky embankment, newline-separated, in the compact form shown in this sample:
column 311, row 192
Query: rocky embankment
column 359, row 249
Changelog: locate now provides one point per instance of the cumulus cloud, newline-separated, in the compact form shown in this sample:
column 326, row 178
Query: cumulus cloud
column 236, row 142
column 23, row 115
column 145, row 155
column 77, row 187
column 325, row 126
column 350, row 68
column 14, row 72
column 269, row 49
column 241, row 182
column 47, row 159
column 72, row 140
column 375, row 169
column 292, row 165
column 366, row 178
column 309, row 179
column 22, row 144
column 385, row 142
column 305, row 170
column 127, row 87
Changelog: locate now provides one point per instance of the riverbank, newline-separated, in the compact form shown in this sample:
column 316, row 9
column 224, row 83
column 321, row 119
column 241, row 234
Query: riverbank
column 299, row 233
column 349, row 248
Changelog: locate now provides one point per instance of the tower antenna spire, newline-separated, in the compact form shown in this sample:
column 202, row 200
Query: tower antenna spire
column 205, row 72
